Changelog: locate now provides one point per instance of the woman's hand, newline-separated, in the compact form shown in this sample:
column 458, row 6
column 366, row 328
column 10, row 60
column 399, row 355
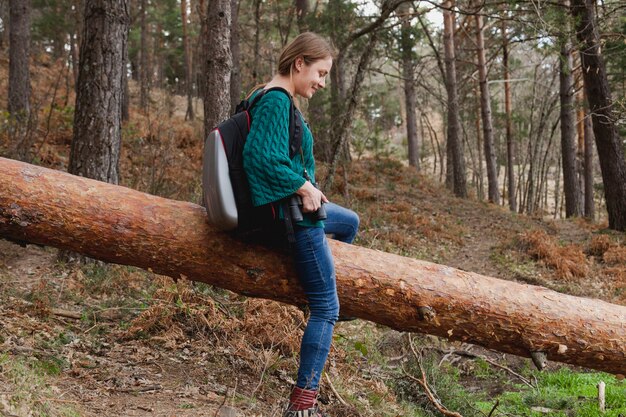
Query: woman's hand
column 312, row 198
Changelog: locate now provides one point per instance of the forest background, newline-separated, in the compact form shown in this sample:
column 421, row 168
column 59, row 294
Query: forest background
column 499, row 104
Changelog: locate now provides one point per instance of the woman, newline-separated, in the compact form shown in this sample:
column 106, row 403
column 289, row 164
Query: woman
column 302, row 70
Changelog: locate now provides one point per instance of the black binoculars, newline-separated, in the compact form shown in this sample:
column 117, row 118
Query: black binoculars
column 295, row 210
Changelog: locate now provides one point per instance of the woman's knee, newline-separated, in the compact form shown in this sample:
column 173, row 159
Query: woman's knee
column 327, row 310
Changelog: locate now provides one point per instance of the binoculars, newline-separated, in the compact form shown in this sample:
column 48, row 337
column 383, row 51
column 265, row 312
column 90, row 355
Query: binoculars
column 295, row 210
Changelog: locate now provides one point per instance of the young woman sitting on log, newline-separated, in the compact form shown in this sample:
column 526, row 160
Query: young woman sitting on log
column 302, row 70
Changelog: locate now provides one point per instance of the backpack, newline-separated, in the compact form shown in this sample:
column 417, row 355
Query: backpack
column 225, row 187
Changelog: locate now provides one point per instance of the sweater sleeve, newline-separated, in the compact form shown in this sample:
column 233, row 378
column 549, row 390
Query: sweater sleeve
column 266, row 153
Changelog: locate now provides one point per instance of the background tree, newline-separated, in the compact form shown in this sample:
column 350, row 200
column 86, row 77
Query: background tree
column 454, row 142
column 95, row 150
column 19, row 74
column 407, row 42
column 218, row 63
column 608, row 142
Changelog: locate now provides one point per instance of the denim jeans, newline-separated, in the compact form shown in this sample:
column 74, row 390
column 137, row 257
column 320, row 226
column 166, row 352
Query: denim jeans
column 316, row 271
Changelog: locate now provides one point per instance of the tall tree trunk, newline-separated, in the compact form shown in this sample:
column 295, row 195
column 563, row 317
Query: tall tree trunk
column 590, row 210
column 479, row 147
column 485, row 111
column 608, row 142
column 342, row 131
column 257, row 41
column 125, row 88
column 403, row 293
column 454, row 142
column 510, row 144
column 302, row 9
column 187, row 58
column 20, row 133
column 235, row 77
column 218, row 64
column 409, row 86
column 19, row 56
column 144, row 78
column 568, row 131
column 95, row 150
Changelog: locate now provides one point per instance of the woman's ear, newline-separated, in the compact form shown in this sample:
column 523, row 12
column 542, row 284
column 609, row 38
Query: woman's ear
column 298, row 64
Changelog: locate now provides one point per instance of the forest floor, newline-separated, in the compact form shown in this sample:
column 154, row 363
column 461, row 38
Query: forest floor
column 109, row 340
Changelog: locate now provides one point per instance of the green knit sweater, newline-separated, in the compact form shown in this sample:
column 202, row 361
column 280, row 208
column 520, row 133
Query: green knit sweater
column 272, row 175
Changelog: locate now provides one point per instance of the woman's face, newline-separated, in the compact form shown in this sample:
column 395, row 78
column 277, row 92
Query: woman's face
column 308, row 79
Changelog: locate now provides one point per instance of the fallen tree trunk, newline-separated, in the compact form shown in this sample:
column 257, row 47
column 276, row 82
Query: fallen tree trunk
column 124, row 226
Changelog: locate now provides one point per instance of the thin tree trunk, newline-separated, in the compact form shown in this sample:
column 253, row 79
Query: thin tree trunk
column 19, row 59
column 481, row 185
column 342, row 131
column 257, row 41
column 608, row 141
column 510, row 145
column 218, row 64
column 568, row 130
column 409, row 87
column 235, row 78
column 144, row 79
column 485, row 111
column 403, row 293
column 125, row 89
column 187, row 58
column 590, row 210
column 454, row 142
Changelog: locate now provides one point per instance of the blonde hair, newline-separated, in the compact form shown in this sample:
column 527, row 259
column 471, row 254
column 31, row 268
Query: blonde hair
column 309, row 46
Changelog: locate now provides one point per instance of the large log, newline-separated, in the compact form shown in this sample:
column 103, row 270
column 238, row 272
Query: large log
column 124, row 226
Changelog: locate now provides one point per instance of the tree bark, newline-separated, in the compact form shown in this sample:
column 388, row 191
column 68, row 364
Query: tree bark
column 235, row 77
column 590, row 210
column 510, row 145
column 144, row 78
column 19, row 56
column 124, row 226
column 96, row 142
column 187, row 58
column 485, row 112
column 409, row 87
column 608, row 142
column 454, row 142
column 568, row 130
column 218, row 64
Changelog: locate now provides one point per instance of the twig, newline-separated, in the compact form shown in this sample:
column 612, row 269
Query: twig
column 424, row 384
column 494, row 408
column 147, row 388
column 332, row 388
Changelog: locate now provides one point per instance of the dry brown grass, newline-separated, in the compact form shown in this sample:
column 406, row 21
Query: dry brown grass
column 568, row 261
column 600, row 244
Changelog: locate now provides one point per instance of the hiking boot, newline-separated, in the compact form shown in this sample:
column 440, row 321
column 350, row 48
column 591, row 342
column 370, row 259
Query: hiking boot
column 309, row 412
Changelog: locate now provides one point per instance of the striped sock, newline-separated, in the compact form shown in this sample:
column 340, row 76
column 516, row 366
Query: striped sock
column 302, row 399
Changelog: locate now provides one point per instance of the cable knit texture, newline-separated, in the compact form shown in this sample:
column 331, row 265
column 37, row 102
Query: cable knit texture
column 272, row 175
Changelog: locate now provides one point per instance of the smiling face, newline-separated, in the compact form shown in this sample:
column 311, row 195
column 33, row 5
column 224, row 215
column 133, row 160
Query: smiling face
column 308, row 78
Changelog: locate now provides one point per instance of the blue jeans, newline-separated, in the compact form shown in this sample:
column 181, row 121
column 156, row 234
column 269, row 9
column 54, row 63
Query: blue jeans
column 316, row 271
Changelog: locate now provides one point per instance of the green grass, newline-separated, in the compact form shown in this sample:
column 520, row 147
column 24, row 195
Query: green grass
column 565, row 393
column 26, row 384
